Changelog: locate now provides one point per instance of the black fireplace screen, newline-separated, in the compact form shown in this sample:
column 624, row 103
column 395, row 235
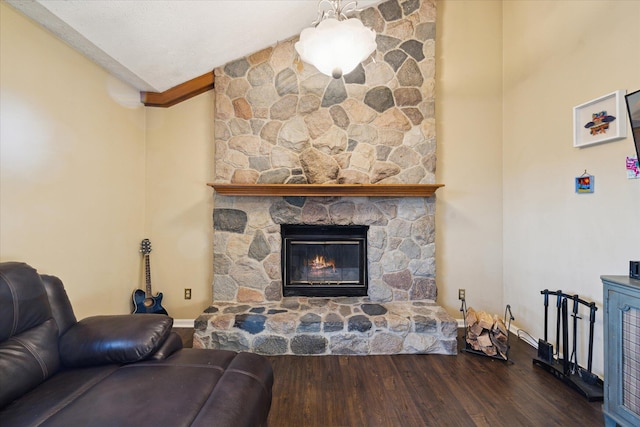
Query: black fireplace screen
column 324, row 260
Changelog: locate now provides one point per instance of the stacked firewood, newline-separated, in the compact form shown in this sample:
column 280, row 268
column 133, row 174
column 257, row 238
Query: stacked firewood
column 487, row 333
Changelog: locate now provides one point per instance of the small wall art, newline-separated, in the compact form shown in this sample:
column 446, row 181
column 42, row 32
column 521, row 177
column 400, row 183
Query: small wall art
column 585, row 183
column 633, row 168
column 600, row 120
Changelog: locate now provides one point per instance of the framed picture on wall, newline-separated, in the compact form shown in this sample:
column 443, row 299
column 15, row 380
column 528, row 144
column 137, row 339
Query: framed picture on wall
column 585, row 183
column 600, row 120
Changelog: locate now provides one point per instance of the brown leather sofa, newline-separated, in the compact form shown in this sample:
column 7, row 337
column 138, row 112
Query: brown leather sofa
column 124, row 370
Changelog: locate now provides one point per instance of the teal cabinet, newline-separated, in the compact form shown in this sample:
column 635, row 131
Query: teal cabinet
column 621, row 351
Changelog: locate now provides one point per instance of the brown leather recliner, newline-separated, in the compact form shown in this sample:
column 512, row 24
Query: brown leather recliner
column 123, row 370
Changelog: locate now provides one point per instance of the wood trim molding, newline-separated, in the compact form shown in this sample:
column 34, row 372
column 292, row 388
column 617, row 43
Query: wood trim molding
column 179, row 93
column 320, row 190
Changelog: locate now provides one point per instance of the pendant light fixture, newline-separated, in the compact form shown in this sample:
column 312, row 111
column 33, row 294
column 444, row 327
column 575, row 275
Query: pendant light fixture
column 336, row 44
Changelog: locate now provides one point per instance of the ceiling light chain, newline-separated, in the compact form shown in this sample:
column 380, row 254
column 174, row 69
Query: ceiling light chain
column 334, row 9
column 336, row 44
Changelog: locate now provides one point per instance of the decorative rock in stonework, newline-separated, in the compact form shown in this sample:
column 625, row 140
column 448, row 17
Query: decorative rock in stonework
column 409, row 74
column 418, row 343
column 293, row 135
column 310, row 322
column 390, row 10
column 308, row 104
column 246, row 144
column 398, row 280
column 334, row 94
column 270, row 345
column 270, row 131
column 248, row 273
column 284, row 213
column 252, row 323
column 284, row 108
column 359, row 323
column 352, row 177
column 318, row 122
column 236, row 308
column 342, row 212
column 221, row 263
column 231, row 220
column 426, row 30
column 357, row 76
column 386, row 42
column 333, row 141
column 286, row 82
column 274, row 176
column 425, row 325
column 349, row 344
column 385, row 343
column 414, row 115
column 395, row 58
column 260, row 74
column 379, row 98
column 410, row 6
column 273, row 292
column 315, row 213
column 233, row 342
column 333, row 323
column 393, row 119
column 319, row 168
column 413, row 48
column 383, row 170
column 242, row 108
column 259, row 248
column 373, row 309
column 237, row 68
column 339, row 116
column 308, row 344
column 259, row 164
column 407, row 96
column 249, row 295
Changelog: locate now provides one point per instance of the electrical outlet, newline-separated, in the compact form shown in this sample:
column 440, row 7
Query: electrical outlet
column 187, row 293
column 461, row 293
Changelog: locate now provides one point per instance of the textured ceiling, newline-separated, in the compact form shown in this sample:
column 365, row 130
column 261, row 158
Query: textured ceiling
column 155, row 45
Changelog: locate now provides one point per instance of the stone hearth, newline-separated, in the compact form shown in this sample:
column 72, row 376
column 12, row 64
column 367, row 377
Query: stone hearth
column 317, row 326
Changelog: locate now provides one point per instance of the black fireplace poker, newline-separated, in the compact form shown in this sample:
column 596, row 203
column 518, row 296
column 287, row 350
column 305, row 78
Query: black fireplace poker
column 567, row 368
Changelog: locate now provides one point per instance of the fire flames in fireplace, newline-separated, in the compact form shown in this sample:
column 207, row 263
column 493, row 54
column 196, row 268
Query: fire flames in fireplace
column 319, row 263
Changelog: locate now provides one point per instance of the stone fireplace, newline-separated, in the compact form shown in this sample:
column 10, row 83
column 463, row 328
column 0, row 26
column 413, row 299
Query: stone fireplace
column 279, row 121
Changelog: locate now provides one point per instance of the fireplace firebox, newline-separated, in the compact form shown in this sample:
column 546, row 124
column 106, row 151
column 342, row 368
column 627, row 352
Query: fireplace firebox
column 324, row 260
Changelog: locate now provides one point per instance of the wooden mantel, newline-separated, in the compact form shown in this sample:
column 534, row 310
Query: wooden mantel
column 324, row 190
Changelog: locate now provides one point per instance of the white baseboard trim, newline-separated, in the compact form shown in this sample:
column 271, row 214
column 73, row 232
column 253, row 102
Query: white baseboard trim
column 183, row 323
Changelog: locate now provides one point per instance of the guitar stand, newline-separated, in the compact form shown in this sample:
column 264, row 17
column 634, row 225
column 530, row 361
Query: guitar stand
column 567, row 369
column 467, row 347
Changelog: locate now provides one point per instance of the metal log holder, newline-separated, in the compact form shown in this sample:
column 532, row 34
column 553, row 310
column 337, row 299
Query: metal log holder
column 507, row 321
column 566, row 368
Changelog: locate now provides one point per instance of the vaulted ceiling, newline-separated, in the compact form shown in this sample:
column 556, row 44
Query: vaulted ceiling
column 155, row 45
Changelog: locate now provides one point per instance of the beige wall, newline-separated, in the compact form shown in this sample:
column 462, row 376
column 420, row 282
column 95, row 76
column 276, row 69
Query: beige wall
column 72, row 168
column 180, row 204
column 469, row 132
column 554, row 238
column 85, row 178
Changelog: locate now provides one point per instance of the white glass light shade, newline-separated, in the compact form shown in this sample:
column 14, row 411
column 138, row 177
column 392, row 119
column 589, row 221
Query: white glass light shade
column 336, row 47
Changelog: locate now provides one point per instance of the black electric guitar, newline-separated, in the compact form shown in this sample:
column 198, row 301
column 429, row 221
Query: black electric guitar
column 144, row 301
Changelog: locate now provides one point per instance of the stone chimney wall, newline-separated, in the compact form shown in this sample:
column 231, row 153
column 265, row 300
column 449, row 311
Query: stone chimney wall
column 278, row 120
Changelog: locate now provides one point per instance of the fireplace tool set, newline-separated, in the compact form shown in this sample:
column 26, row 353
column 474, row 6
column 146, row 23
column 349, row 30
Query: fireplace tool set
column 496, row 334
column 566, row 368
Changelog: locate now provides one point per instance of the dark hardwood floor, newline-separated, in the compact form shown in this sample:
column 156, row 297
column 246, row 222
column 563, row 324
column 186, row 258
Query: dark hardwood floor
column 424, row 390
